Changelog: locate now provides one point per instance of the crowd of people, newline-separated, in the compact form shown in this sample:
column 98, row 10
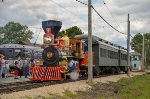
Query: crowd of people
column 20, row 67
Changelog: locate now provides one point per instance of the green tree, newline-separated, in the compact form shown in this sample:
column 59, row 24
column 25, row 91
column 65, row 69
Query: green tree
column 136, row 45
column 15, row 32
column 71, row 32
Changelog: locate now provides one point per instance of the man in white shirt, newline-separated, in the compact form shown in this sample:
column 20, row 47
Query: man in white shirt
column 74, row 75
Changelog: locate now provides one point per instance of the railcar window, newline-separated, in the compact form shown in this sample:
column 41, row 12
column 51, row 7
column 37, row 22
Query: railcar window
column 123, row 56
column 103, row 52
column 17, row 52
column 114, row 55
column 109, row 54
column 10, row 53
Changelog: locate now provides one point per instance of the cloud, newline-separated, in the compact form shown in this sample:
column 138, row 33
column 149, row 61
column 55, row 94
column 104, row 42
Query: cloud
column 72, row 13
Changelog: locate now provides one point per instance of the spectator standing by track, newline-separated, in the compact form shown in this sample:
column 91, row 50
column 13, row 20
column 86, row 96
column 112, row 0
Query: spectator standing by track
column 26, row 69
column 7, row 68
column 32, row 62
column 2, row 66
column 74, row 74
column 18, row 67
column 2, row 62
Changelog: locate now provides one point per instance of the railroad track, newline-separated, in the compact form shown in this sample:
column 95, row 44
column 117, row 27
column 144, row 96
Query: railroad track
column 6, row 88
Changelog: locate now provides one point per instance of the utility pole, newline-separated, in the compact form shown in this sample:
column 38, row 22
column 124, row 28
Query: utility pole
column 145, row 59
column 142, row 68
column 90, row 60
column 128, row 42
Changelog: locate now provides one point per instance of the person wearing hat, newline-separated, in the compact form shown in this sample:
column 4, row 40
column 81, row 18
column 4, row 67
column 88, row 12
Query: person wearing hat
column 2, row 64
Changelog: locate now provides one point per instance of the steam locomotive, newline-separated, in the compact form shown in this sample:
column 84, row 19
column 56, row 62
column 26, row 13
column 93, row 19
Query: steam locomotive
column 58, row 51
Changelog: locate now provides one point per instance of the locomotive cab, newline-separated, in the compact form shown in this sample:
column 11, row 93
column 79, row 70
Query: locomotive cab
column 76, row 46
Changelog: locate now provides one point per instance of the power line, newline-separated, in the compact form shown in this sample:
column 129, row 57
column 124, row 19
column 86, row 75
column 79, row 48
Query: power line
column 111, row 14
column 101, row 17
column 65, row 9
column 107, row 22
column 81, row 2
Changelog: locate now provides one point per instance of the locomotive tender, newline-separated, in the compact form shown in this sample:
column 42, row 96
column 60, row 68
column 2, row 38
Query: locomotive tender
column 58, row 51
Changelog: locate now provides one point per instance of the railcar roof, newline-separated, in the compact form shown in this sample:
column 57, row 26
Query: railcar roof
column 98, row 40
column 18, row 46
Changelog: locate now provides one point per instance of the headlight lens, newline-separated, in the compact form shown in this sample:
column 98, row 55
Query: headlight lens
column 47, row 39
column 49, row 54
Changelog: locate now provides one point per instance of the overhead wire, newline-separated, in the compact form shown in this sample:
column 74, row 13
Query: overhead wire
column 66, row 9
column 106, row 21
column 111, row 14
column 101, row 17
column 81, row 2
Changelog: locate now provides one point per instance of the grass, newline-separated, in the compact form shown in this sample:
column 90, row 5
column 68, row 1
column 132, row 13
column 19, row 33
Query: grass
column 137, row 87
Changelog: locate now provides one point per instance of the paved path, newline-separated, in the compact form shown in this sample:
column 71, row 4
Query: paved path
column 11, row 80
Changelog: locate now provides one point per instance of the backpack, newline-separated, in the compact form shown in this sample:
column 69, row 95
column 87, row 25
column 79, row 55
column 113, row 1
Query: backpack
column 16, row 62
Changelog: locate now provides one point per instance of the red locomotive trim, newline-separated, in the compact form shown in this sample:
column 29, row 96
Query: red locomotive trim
column 47, row 73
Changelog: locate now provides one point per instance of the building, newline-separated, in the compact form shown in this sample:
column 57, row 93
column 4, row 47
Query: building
column 136, row 60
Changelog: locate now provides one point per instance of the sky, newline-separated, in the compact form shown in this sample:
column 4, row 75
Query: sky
column 73, row 13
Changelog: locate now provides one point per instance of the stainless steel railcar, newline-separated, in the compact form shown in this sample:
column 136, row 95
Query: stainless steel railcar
column 108, row 57
column 10, row 52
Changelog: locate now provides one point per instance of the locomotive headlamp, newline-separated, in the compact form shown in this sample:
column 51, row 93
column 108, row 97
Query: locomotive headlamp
column 47, row 39
column 49, row 54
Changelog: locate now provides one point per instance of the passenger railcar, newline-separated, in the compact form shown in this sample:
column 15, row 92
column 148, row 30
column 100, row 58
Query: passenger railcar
column 10, row 51
column 58, row 51
column 108, row 57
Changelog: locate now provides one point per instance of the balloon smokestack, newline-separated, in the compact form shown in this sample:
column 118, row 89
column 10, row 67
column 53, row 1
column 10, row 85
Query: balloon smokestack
column 54, row 25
